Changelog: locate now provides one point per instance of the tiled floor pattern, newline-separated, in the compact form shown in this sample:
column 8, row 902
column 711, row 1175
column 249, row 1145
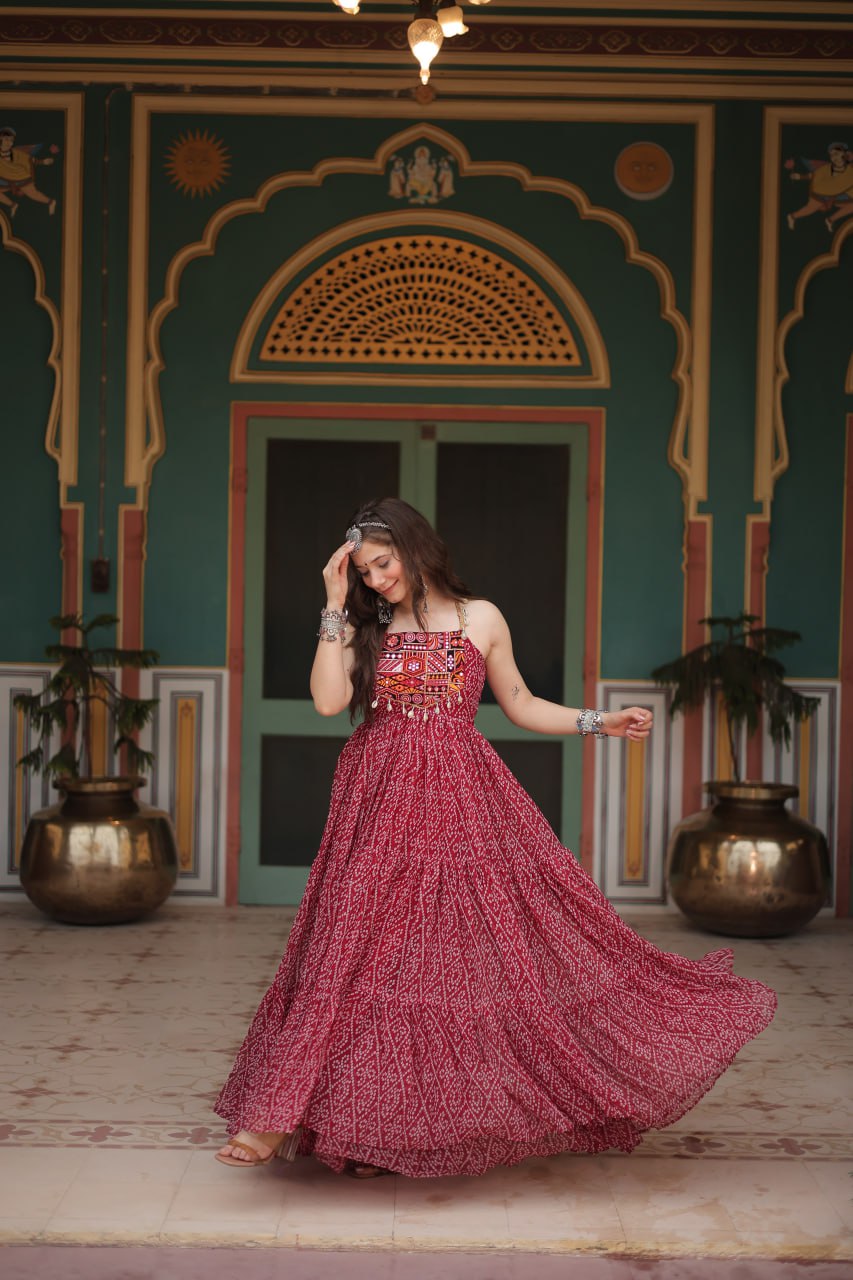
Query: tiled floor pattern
column 117, row 1039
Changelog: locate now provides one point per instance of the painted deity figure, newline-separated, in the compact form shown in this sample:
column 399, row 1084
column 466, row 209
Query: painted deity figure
column 18, row 171
column 445, row 178
column 421, row 186
column 830, row 185
column 397, row 178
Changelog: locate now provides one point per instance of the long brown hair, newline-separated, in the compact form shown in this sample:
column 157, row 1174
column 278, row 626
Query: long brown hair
column 426, row 561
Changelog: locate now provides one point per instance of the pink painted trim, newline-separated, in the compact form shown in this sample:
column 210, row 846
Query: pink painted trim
column 70, row 555
column 844, row 846
column 69, row 524
column 241, row 413
column 696, row 569
column 133, row 555
column 130, row 622
column 409, row 412
column 236, row 651
column 592, row 622
column 757, row 551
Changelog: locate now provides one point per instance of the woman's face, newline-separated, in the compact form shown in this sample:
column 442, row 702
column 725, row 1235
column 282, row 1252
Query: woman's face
column 381, row 571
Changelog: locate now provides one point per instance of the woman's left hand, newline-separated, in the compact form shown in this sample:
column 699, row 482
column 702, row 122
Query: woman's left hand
column 632, row 722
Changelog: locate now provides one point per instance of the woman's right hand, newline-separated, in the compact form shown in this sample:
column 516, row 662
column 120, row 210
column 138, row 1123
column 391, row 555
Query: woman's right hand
column 335, row 577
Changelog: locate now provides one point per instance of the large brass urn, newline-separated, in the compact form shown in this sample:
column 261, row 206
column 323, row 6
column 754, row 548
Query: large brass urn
column 748, row 866
column 99, row 856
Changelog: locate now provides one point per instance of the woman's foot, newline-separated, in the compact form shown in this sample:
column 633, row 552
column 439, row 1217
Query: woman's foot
column 251, row 1148
column 355, row 1169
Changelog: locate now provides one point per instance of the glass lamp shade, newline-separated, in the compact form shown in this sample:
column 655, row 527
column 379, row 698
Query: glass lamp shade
column 451, row 20
column 425, row 39
column 348, row 6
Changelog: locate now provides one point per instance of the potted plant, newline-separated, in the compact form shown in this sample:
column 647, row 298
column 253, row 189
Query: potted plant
column 747, row 865
column 97, row 856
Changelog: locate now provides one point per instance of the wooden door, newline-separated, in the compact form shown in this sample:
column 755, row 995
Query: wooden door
column 510, row 501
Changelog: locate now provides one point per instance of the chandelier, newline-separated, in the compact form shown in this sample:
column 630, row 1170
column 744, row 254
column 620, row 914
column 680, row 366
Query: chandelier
column 433, row 20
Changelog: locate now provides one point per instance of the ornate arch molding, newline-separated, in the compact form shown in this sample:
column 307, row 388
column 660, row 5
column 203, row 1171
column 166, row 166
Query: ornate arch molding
column 771, row 441
column 52, row 444
column 63, row 359
column 61, row 428
column 146, row 443
column 823, row 262
column 481, row 313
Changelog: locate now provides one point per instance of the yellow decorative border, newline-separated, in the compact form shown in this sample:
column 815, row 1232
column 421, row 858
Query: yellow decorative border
column 687, row 453
column 186, row 770
column 61, row 433
column 771, row 442
column 634, row 859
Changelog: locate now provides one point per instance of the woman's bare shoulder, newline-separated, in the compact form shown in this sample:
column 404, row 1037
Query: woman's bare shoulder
column 484, row 609
column 485, row 616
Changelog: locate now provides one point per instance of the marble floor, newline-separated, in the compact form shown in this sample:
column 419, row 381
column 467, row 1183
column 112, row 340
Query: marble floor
column 115, row 1041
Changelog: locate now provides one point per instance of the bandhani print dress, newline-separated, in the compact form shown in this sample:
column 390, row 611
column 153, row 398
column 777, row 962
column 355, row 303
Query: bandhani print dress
column 456, row 992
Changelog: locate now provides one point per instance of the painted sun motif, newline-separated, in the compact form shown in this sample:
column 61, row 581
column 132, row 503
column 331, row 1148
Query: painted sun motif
column 197, row 163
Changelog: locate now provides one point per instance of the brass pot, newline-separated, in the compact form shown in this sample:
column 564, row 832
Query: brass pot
column 748, row 866
column 98, row 856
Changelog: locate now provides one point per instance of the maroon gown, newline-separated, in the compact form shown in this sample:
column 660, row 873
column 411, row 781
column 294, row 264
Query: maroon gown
column 456, row 992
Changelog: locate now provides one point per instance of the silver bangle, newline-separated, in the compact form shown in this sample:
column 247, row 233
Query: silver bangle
column 590, row 721
column 333, row 624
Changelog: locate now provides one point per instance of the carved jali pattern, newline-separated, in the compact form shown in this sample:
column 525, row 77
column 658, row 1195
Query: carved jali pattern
column 427, row 299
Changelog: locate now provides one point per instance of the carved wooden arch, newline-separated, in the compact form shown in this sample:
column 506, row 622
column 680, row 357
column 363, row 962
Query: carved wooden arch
column 481, row 319
column 146, row 442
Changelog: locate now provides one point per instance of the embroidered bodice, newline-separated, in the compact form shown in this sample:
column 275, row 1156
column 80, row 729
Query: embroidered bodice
column 422, row 674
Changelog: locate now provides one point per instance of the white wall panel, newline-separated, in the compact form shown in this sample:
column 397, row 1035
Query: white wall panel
column 188, row 736
column 637, row 798
column 21, row 793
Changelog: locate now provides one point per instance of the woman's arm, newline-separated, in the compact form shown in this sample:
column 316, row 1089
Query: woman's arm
column 331, row 686
column 491, row 635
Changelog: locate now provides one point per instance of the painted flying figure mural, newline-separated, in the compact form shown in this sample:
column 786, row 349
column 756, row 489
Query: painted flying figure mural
column 18, row 171
column 830, row 185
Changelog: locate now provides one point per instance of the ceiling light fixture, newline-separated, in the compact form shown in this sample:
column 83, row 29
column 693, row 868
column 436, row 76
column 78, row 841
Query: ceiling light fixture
column 433, row 21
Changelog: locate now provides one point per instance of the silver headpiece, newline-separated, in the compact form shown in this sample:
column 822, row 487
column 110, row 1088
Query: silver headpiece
column 354, row 531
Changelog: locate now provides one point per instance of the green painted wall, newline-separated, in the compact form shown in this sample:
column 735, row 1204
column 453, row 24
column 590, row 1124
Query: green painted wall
column 216, row 293
column 186, row 569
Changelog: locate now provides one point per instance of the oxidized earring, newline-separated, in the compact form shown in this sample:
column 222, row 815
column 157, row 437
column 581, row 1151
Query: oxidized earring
column 384, row 610
column 425, row 594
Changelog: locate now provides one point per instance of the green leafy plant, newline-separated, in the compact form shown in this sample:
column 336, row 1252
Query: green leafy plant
column 739, row 666
column 83, row 678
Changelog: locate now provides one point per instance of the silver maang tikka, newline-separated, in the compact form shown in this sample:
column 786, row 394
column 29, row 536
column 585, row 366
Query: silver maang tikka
column 354, row 534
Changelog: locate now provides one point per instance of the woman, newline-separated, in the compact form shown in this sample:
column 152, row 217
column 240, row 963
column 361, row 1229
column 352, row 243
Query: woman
column 456, row 992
